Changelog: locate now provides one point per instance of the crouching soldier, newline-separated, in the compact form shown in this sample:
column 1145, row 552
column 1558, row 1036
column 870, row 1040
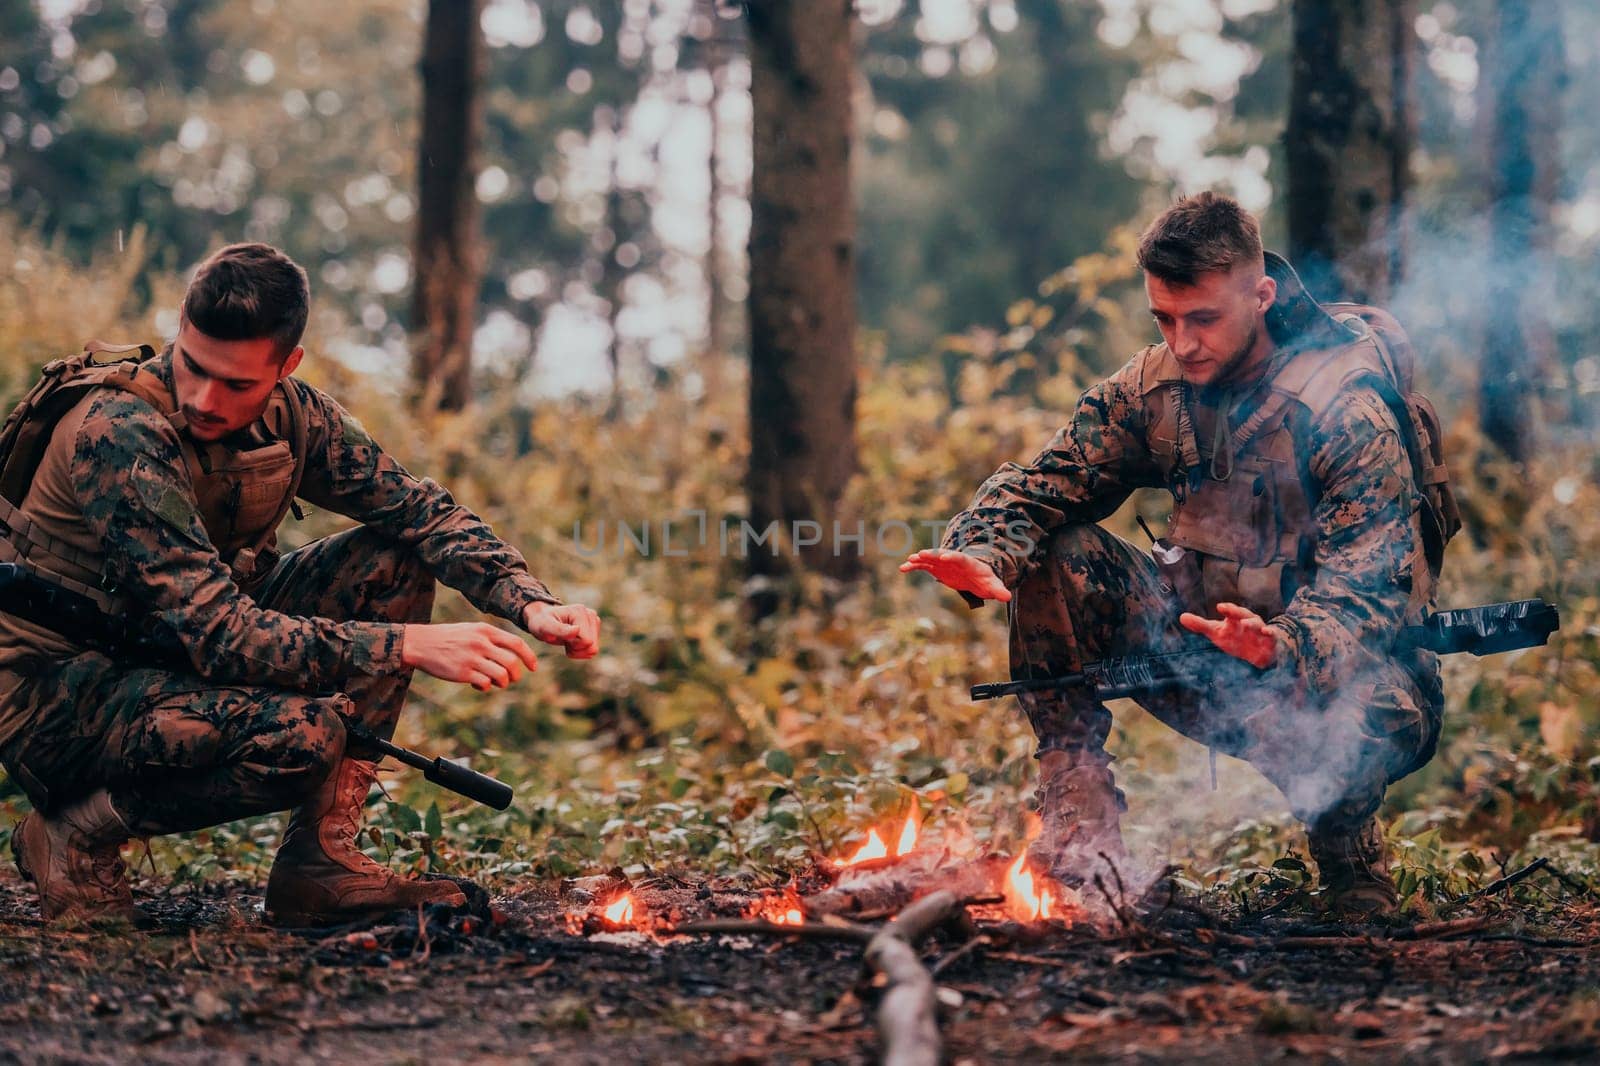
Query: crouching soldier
column 1310, row 511
column 154, row 485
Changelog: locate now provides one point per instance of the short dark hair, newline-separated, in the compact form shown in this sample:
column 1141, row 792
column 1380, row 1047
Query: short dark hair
column 248, row 291
column 1197, row 235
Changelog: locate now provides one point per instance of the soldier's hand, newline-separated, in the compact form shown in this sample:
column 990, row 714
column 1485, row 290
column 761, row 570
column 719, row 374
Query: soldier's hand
column 960, row 572
column 1240, row 632
column 573, row 627
column 469, row 653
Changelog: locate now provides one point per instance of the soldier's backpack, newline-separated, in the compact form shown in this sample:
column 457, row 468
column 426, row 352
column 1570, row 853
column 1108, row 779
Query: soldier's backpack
column 1419, row 425
column 1297, row 315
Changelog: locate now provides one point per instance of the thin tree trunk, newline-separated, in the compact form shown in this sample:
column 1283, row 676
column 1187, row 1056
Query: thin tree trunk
column 1348, row 144
column 1523, row 80
column 449, row 260
column 716, row 293
column 613, row 274
column 802, row 303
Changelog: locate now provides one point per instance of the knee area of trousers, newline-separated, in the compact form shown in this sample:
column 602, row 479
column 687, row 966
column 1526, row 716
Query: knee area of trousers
column 1062, row 560
column 317, row 740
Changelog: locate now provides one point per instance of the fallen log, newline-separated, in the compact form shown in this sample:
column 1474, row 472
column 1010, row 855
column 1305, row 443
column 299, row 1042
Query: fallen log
column 889, row 891
column 907, row 1015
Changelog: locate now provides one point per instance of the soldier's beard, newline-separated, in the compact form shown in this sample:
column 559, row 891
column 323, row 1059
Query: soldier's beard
column 1231, row 368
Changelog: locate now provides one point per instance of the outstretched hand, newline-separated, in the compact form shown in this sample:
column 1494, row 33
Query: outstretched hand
column 1240, row 632
column 573, row 627
column 960, row 572
column 468, row 653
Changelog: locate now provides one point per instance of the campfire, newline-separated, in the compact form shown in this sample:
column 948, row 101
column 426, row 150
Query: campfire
column 873, row 879
column 620, row 912
column 875, row 851
column 1028, row 898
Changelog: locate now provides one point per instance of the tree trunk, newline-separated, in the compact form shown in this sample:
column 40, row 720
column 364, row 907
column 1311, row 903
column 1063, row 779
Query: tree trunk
column 449, row 261
column 1523, row 81
column 1348, row 144
column 802, row 303
column 716, row 292
column 612, row 272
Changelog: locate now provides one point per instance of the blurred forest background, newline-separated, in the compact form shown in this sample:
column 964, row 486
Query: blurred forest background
column 602, row 265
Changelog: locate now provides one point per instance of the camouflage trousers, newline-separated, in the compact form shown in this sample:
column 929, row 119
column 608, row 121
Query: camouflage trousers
column 1091, row 595
column 179, row 752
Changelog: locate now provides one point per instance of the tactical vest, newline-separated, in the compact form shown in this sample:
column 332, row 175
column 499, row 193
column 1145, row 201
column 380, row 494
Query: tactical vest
column 1245, row 510
column 243, row 488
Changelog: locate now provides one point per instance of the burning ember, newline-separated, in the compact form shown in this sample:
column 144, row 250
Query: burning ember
column 620, row 912
column 781, row 909
column 1029, row 898
column 874, row 848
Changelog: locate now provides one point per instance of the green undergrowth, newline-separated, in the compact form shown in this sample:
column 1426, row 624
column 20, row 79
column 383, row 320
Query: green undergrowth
column 699, row 744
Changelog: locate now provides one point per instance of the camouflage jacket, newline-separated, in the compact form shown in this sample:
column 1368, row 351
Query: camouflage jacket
column 1364, row 514
column 128, row 484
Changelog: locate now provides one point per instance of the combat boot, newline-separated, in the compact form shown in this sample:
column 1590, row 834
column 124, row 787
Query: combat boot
column 72, row 858
column 322, row 877
column 1353, row 865
column 1080, row 809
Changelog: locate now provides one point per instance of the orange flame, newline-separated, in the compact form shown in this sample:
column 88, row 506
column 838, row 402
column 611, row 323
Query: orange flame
column 792, row 916
column 908, row 836
column 621, row 911
column 874, row 848
column 1027, row 902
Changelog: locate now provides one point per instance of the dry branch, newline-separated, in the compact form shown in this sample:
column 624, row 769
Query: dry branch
column 888, row 891
column 907, row 1020
column 814, row 930
column 1503, row 883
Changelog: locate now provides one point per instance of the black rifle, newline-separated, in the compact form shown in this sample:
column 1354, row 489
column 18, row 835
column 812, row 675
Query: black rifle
column 1485, row 630
column 32, row 598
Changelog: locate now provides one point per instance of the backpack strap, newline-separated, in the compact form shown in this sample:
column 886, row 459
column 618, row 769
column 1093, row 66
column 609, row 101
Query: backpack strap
column 295, row 431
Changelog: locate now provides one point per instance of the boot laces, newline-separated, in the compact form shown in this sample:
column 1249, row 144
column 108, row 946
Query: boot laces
column 356, row 781
column 107, row 867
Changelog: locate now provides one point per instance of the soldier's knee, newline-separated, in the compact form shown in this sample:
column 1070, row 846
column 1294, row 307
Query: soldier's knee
column 317, row 739
column 1076, row 564
column 378, row 579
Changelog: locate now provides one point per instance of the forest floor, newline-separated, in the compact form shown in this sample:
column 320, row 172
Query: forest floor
column 205, row 980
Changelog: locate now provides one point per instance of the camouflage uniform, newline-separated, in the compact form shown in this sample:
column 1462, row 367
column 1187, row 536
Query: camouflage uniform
column 1343, row 717
column 252, row 725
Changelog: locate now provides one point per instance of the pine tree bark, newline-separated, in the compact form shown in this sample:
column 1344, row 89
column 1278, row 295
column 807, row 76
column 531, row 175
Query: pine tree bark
column 802, row 304
column 1523, row 79
column 448, row 255
column 1348, row 144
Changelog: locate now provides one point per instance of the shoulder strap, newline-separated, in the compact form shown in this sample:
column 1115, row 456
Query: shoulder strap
column 297, row 435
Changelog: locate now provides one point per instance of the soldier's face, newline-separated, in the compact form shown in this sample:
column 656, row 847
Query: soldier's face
column 1215, row 327
column 223, row 386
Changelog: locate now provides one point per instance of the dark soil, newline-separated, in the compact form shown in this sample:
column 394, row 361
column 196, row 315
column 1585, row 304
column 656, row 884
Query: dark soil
column 209, row 983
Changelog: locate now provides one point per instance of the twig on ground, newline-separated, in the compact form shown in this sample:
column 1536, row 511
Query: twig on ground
column 760, row 926
column 1503, row 883
column 907, row 1018
column 960, row 953
column 1426, row 931
column 422, row 936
